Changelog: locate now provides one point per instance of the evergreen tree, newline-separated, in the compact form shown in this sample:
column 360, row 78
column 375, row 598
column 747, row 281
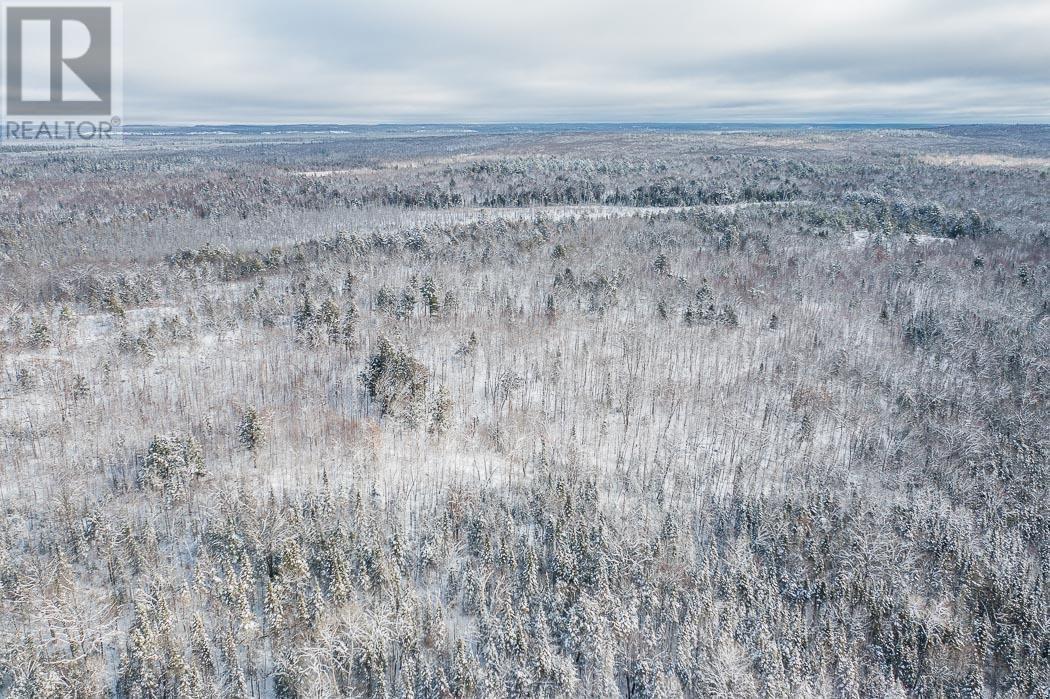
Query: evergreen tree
column 250, row 431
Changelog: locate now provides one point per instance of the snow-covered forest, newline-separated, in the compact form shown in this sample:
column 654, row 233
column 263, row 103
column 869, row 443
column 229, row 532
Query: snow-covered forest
column 527, row 413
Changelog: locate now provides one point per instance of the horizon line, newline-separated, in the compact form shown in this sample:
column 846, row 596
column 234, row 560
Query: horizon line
column 375, row 124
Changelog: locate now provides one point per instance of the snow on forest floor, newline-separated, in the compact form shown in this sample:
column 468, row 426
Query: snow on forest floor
column 863, row 237
column 985, row 160
column 564, row 212
column 593, row 212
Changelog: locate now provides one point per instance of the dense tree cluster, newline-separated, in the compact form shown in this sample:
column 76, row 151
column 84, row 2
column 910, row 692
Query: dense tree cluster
column 775, row 426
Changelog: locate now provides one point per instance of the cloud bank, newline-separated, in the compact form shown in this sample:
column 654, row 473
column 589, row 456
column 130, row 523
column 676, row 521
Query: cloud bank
column 340, row 61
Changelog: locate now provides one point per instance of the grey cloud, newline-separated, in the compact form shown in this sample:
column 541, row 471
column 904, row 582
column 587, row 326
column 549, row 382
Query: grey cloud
column 668, row 60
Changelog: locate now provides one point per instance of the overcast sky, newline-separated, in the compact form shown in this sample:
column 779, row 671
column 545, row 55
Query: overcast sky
column 358, row 61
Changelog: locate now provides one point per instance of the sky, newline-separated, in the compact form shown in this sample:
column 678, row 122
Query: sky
column 481, row 61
